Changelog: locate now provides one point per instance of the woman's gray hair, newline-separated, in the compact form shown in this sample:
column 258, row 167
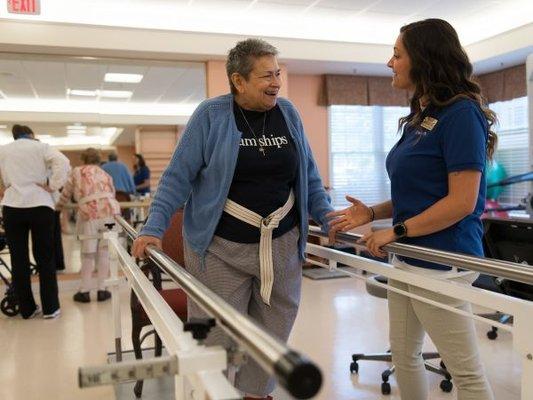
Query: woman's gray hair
column 241, row 58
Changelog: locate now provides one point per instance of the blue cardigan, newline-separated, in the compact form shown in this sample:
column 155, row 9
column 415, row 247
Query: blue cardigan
column 201, row 170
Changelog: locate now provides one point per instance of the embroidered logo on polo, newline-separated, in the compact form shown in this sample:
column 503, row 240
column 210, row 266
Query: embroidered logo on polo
column 265, row 141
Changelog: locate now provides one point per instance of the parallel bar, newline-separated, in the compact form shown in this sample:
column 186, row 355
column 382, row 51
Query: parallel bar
column 122, row 204
column 298, row 375
column 127, row 371
column 187, row 358
column 163, row 317
column 115, row 299
column 499, row 268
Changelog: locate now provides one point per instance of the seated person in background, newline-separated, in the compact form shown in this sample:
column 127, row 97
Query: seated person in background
column 122, row 178
column 141, row 176
column 93, row 190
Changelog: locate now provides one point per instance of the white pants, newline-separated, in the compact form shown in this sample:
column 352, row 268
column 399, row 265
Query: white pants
column 94, row 253
column 454, row 336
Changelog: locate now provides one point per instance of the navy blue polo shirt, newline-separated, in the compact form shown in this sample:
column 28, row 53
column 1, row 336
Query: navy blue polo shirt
column 140, row 175
column 418, row 167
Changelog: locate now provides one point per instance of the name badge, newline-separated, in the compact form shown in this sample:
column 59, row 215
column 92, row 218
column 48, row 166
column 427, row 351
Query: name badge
column 429, row 123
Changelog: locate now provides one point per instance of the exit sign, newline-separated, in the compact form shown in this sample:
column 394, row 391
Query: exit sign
column 32, row 7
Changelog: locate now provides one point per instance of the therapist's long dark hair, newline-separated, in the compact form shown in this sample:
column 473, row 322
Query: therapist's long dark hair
column 441, row 71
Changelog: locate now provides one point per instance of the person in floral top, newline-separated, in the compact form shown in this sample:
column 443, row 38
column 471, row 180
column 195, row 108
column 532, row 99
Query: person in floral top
column 92, row 188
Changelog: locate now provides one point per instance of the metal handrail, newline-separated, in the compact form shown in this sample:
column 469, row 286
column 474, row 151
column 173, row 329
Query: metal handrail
column 502, row 269
column 298, row 375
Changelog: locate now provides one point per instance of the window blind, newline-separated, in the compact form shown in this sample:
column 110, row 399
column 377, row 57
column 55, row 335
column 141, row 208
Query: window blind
column 360, row 139
column 513, row 145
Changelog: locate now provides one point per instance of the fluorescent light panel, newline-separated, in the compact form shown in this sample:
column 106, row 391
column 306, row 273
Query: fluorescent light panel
column 117, row 94
column 81, row 92
column 122, row 78
column 94, row 107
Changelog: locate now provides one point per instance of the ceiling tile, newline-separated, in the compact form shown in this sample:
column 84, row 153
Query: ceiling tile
column 353, row 5
column 304, row 3
column 85, row 76
column 406, row 7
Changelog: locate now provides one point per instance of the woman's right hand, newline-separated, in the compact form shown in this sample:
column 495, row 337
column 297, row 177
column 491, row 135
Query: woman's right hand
column 343, row 220
column 138, row 249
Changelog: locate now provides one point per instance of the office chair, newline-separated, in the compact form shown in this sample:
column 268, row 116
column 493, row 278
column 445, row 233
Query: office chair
column 446, row 384
column 508, row 240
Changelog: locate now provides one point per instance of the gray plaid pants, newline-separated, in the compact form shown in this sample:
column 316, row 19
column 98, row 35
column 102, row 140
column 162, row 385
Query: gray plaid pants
column 232, row 271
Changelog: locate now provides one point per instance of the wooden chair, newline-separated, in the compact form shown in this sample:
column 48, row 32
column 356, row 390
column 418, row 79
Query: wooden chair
column 172, row 244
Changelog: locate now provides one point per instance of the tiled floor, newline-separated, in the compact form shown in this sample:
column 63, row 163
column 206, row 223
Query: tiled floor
column 39, row 359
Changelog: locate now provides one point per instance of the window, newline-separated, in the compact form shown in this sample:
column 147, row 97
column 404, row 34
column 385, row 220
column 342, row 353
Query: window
column 513, row 146
column 360, row 139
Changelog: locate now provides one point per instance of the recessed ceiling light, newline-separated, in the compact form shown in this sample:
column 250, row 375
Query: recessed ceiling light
column 122, row 78
column 80, row 92
column 76, row 127
column 3, row 126
column 109, row 131
column 117, row 94
column 75, row 133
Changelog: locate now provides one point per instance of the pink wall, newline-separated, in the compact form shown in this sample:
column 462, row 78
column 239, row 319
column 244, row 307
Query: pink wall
column 304, row 93
column 156, row 144
column 126, row 154
column 216, row 80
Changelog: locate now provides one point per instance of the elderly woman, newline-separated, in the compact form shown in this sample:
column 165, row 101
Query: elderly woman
column 94, row 192
column 245, row 173
column 438, row 193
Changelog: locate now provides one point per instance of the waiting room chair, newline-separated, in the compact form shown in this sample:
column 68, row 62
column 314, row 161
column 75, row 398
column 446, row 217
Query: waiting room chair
column 446, row 384
column 172, row 244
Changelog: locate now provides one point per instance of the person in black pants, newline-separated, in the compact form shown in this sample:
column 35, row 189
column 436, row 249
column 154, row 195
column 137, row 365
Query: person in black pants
column 30, row 172
column 18, row 223
column 59, row 257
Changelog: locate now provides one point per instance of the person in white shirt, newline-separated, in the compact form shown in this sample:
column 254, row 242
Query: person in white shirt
column 28, row 207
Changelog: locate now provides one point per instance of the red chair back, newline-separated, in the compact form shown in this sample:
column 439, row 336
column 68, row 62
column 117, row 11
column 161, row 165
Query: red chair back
column 172, row 241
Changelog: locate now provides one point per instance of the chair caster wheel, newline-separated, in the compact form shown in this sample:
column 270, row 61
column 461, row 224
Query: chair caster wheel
column 492, row 335
column 385, row 388
column 354, row 368
column 446, row 386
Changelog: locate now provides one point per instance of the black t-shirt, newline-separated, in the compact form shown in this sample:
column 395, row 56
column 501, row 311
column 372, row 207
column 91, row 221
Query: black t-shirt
column 261, row 183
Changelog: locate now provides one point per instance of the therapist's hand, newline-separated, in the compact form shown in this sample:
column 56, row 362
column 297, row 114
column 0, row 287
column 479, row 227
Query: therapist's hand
column 343, row 220
column 375, row 240
column 138, row 249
